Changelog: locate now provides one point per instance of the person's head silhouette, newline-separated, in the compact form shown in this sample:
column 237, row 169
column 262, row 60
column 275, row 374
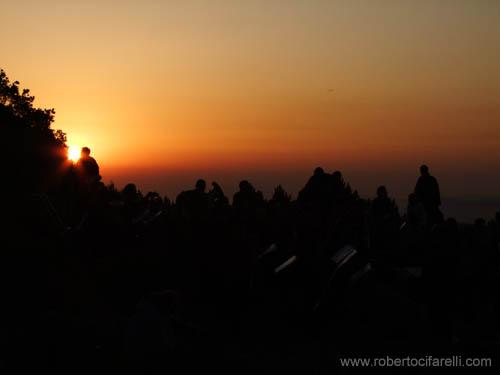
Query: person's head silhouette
column 245, row 186
column 129, row 192
column 201, row 185
column 424, row 170
column 319, row 171
column 85, row 153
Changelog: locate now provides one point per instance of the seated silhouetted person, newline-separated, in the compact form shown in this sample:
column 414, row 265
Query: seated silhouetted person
column 247, row 200
column 200, row 188
column 383, row 207
column 131, row 202
column 193, row 204
column 87, row 167
column 384, row 218
column 217, row 197
column 337, row 183
column 427, row 192
column 316, row 189
column 340, row 191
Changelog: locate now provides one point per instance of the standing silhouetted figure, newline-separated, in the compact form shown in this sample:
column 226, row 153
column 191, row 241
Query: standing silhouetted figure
column 87, row 167
column 427, row 192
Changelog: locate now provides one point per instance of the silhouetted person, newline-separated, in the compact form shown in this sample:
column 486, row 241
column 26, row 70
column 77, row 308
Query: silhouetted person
column 382, row 206
column 87, row 167
column 316, row 189
column 193, row 204
column 384, row 220
column 200, row 186
column 131, row 202
column 340, row 193
column 217, row 197
column 247, row 199
column 89, row 185
column 130, row 194
column 337, row 183
column 427, row 192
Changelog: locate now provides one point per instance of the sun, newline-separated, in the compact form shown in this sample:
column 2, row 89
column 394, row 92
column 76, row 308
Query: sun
column 74, row 153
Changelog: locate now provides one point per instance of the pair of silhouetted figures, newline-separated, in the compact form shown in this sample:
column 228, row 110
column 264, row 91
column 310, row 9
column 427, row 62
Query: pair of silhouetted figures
column 197, row 202
column 423, row 203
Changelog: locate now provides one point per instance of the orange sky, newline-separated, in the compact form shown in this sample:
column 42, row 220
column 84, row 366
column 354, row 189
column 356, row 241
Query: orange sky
column 238, row 87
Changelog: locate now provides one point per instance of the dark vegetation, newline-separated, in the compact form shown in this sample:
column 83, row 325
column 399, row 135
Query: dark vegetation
column 96, row 278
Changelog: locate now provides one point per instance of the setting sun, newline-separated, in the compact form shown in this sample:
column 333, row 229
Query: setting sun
column 73, row 153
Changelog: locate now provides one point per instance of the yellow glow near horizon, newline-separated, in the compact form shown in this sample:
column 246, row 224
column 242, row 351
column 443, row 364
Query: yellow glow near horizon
column 74, row 153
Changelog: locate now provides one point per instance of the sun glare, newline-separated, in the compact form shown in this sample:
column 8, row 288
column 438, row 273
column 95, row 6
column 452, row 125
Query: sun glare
column 73, row 153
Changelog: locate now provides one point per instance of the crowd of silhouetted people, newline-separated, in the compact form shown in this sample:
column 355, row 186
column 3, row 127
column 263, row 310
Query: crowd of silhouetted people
column 136, row 280
column 100, row 279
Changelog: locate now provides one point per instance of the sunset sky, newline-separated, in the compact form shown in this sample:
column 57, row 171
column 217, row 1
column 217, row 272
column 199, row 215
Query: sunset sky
column 164, row 92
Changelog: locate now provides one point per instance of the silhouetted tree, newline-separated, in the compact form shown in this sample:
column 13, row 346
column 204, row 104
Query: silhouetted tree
column 36, row 151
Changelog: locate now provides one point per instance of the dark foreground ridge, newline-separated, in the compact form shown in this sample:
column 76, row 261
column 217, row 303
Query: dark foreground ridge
column 97, row 279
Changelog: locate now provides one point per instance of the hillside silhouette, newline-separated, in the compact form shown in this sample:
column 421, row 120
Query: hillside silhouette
column 98, row 277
